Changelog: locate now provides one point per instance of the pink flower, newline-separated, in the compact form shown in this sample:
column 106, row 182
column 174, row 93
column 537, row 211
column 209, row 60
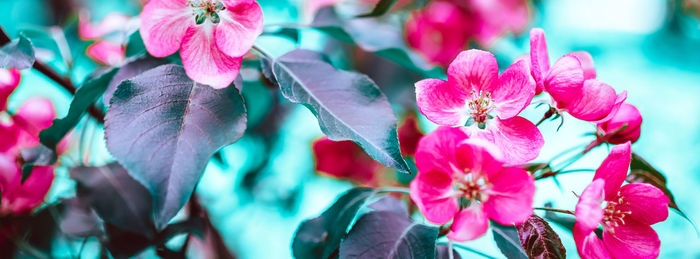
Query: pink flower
column 443, row 28
column 212, row 35
column 626, row 217
column 110, row 36
column 464, row 180
column 628, row 117
column 106, row 52
column 571, row 82
column 9, row 80
column 345, row 160
column 23, row 132
column 476, row 96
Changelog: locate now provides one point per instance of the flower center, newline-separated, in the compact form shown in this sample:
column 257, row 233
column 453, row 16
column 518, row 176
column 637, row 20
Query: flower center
column 203, row 9
column 480, row 105
column 471, row 187
column 613, row 216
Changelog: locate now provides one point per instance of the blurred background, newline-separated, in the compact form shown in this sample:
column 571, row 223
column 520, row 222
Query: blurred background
column 258, row 190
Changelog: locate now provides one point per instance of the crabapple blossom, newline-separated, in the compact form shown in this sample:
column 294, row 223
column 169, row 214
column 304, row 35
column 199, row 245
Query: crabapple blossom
column 625, row 212
column 464, row 180
column 9, row 80
column 475, row 96
column 628, row 117
column 212, row 35
column 572, row 83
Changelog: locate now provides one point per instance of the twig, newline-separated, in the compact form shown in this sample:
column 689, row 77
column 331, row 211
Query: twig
column 556, row 210
column 65, row 83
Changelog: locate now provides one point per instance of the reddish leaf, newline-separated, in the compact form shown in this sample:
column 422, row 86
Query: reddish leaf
column 539, row 240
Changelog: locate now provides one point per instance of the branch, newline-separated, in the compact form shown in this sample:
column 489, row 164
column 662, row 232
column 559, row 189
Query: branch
column 64, row 82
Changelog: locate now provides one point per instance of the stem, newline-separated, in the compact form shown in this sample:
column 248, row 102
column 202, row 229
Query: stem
column 470, row 250
column 394, row 189
column 546, row 116
column 556, row 210
column 562, row 172
column 261, row 52
column 65, row 83
column 449, row 249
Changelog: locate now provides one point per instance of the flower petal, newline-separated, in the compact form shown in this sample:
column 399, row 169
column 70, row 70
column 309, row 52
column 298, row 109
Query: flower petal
column 473, row 70
column 204, row 62
column 241, row 24
column 518, row 139
column 647, row 204
column 438, row 31
column 589, row 211
column 469, row 224
column 9, row 135
column 509, row 201
column 432, row 193
column 437, row 150
column 586, row 63
column 32, row 192
column 596, row 101
column 564, row 80
column 539, row 57
column 627, row 115
column 10, row 174
column 9, row 80
column 409, row 135
column 479, row 156
column 164, row 24
column 344, row 160
column 632, row 240
column 106, row 52
column 441, row 103
column 589, row 246
column 110, row 23
column 619, row 100
column 35, row 115
column 614, row 169
column 515, row 90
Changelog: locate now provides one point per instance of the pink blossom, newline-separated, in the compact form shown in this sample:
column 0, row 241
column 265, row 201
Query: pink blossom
column 9, row 80
column 112, row 22
column 110, row 36
column 443, row 28
column 464, row 180
column 212, row 35
column 475, row 96
column 625, row 125
column 572, row 82
column 106, row 52
column 625, row 212
column 23, row 132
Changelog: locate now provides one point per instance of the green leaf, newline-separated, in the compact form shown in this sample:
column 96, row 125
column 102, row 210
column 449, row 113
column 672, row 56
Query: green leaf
column 642, row 172
column 380, row 9
column 348, row 105
column 385, row 234
column 539, row 240
column 18, row 54
column 163, row 128
column 84, row 97
column 508, row 241
column 320, row 237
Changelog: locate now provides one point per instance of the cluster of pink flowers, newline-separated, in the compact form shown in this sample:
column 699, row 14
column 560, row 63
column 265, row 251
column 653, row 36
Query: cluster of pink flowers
column 468, row 168
column 110, row 36
column 212, row 35
column 20, row 131
column 444, row 27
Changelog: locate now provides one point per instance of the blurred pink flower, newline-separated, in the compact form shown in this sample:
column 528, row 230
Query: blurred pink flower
column 9, row 80
column 571, row 82
column 33, row 116
column 626, row 217
column 443, row 28
column 628, row 117
column 464, row 180
column 474, row 95
column 211, row 35
column 106, row 50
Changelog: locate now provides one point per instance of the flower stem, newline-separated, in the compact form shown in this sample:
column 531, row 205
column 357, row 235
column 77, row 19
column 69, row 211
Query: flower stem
column 261, row 52
column 556, row 210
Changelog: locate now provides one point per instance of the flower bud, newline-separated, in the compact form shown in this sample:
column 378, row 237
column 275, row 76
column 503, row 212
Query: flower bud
column 624, row 126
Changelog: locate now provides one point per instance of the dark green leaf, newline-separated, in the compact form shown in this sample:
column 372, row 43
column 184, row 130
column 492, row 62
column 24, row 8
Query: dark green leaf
column 163, row 128
column 380, row 9
column 135, row 46
column 539, row 240
column 320, row 237
column 508, row 241
column 116, row 197
column 19, row 54
column 385, row 234
column 86, row 95
column 348, row 105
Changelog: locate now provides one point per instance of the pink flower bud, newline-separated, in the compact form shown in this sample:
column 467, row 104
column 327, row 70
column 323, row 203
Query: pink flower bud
column 628, row 117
